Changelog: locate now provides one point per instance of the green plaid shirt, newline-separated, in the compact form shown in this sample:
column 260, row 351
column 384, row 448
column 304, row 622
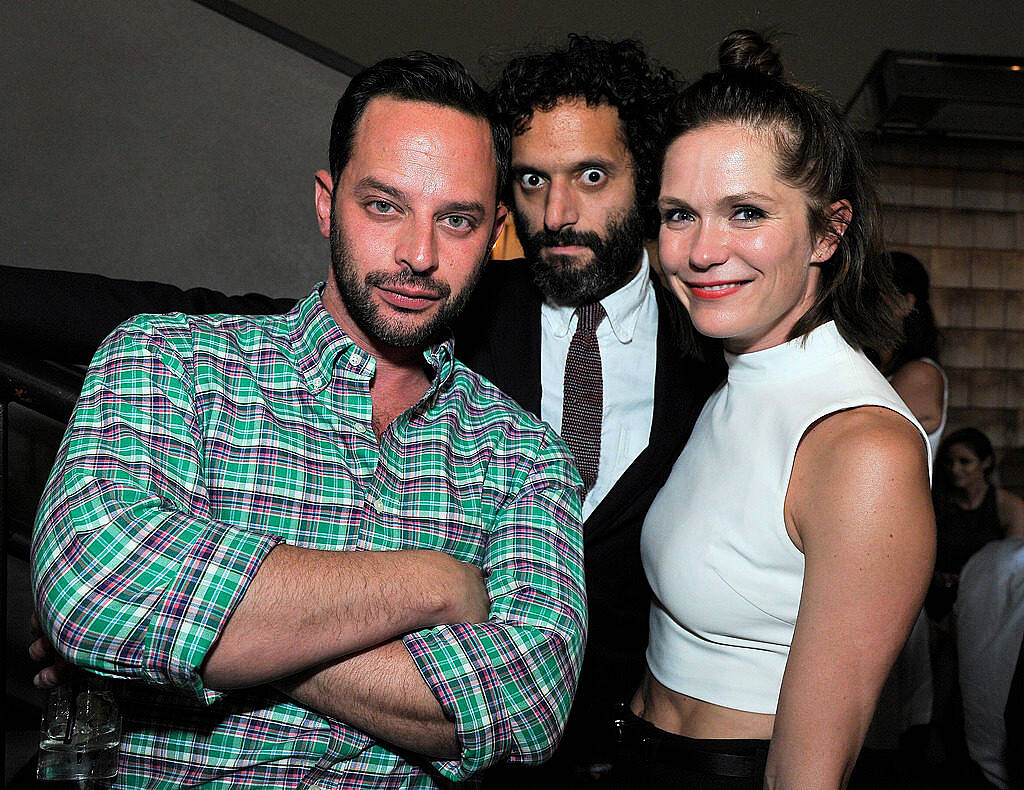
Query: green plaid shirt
column 199, row 443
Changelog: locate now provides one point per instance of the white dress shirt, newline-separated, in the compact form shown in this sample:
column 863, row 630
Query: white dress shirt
column 989, row 614
column 628, row 339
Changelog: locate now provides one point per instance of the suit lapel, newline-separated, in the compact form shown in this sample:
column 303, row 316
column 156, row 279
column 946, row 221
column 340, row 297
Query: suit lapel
column 681, row 385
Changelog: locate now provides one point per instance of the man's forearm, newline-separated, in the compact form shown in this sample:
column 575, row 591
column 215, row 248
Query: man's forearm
column 381, row 692
column 306, row 607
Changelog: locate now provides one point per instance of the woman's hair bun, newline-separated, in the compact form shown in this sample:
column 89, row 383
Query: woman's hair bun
column 745, row 50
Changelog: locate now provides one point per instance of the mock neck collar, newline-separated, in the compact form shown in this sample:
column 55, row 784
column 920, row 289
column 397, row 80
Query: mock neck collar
column 820, row 344
column 322, row 347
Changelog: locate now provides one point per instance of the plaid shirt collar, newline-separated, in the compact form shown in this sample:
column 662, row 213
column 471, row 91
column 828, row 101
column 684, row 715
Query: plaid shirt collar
column 322, row 348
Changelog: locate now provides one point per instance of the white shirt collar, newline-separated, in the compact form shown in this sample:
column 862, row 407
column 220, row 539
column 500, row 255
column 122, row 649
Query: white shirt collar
column 622, row 307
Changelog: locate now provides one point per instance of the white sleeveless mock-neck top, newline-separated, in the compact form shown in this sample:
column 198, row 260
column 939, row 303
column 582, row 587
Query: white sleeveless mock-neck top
column 725, row 574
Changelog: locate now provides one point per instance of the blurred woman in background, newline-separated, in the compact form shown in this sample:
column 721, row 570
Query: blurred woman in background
column 912, row 366
column 970, row 511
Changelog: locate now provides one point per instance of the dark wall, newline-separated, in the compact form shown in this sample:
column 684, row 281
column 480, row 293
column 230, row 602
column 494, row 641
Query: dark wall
column 161, row 140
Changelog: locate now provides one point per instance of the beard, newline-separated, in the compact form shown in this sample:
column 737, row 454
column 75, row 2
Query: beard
column 357, row 296
column 563, row 279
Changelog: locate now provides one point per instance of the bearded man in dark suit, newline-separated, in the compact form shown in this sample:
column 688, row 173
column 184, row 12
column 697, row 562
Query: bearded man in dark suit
column 587, row 123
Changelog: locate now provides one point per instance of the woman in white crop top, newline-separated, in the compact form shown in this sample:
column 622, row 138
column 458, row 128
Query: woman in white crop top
column 791, row 546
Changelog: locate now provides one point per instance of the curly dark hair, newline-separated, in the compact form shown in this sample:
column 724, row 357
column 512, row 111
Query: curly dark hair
column 616, row 73
column 819, row 154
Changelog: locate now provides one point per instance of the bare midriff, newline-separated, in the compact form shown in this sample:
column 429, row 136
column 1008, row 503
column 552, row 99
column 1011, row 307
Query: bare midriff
column 677, row 713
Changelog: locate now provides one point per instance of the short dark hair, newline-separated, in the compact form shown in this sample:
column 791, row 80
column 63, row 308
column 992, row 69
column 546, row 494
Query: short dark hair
column 616, row 73
column 415, row 76
column 819, row 154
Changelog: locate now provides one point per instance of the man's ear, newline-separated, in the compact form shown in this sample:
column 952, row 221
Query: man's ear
column 324, row 196
column 499, row 223
column 840, row 214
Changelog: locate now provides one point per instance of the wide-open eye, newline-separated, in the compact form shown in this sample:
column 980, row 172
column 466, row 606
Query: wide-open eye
column 593, row 176
column 531, row 181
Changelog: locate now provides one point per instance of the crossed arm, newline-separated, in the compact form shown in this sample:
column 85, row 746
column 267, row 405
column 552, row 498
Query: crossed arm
column 135, row 578
column 305, row 607
column 356, row 601
column 506, row 683
column 343, row 672
column 381, row 692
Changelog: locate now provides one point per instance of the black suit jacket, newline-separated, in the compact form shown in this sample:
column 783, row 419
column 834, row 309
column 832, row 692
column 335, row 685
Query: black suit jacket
column 499, row 336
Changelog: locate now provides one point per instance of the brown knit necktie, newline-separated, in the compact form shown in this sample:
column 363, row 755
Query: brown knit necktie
column 582, row 394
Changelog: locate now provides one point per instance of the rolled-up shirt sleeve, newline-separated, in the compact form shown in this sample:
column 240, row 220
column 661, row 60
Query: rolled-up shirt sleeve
column 508, row 683
column 132, row 577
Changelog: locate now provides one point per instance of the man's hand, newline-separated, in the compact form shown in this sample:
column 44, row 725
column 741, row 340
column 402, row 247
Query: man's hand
column 41, row 651
column 470, row 603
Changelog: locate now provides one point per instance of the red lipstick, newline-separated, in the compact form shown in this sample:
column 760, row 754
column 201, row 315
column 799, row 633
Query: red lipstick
column 717, row 289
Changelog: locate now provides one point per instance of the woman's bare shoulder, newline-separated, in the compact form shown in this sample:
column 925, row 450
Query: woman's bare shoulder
column 853, row 466
column 872, row 434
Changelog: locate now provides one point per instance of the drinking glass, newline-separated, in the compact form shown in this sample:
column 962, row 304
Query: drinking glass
column 80, row 731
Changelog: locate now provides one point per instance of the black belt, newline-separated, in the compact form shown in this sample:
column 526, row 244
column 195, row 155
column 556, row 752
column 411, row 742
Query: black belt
column 703, row 756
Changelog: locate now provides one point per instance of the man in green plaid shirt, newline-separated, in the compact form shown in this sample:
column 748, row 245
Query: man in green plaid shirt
column 318, row 550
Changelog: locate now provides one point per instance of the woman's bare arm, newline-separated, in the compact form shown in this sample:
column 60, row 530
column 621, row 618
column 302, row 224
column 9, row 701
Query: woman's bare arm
column 858, row 506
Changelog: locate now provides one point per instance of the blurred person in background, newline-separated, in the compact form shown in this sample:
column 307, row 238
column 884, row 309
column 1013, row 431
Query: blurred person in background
column 912, row 367
column 989, row 619
column 970, row 512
